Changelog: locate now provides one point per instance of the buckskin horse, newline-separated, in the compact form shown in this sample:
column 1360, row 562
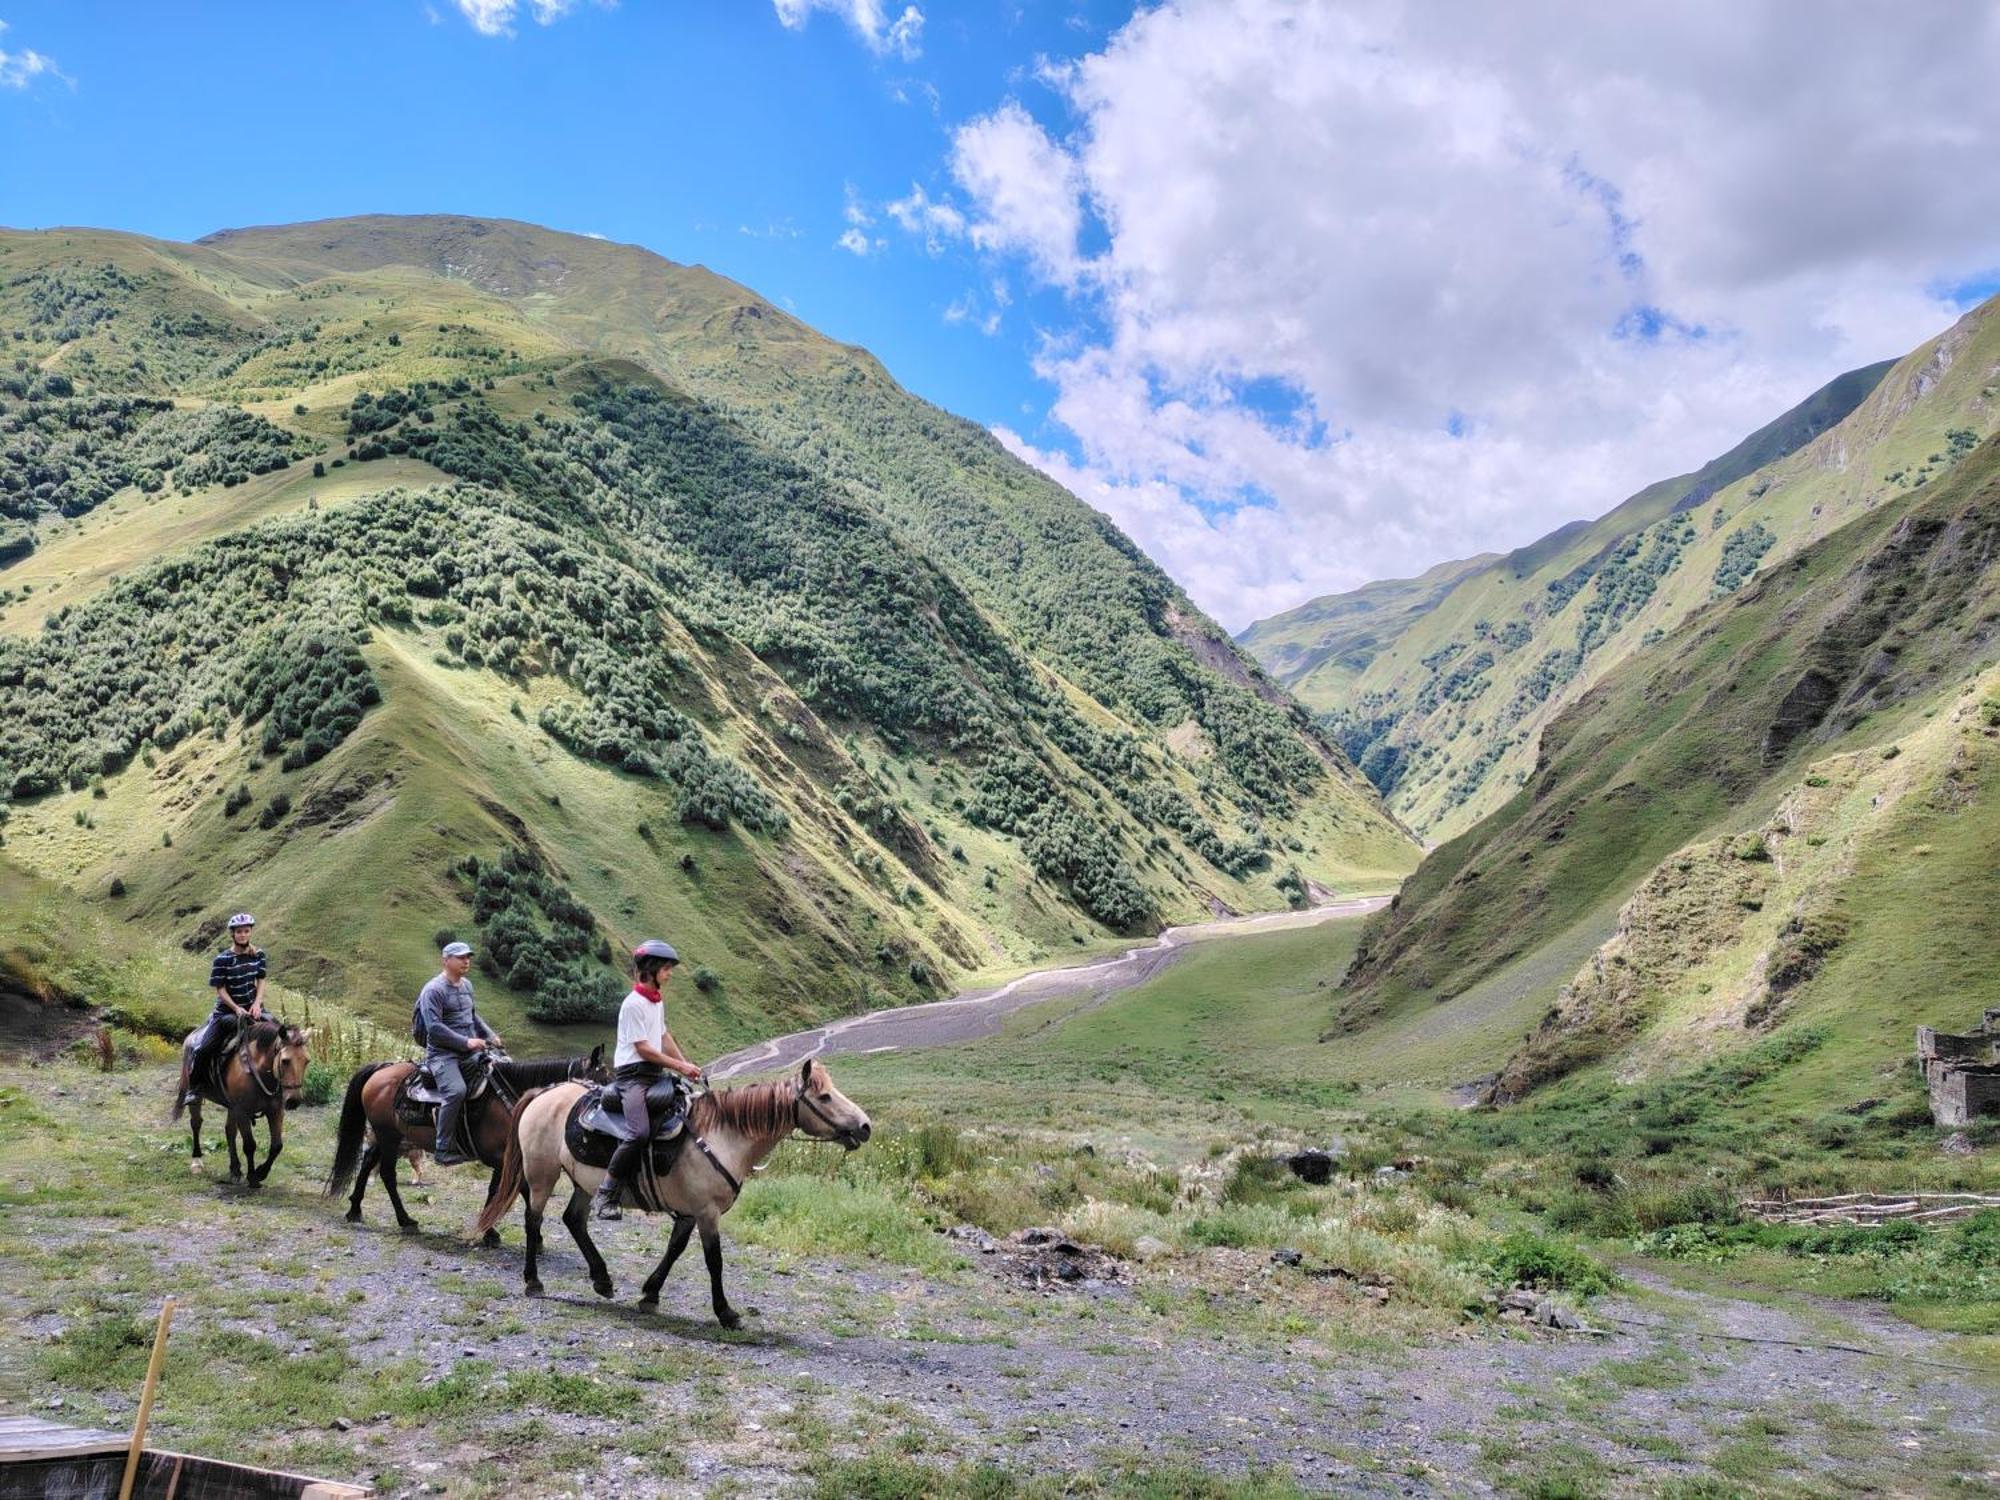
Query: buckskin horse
column 728, row 1134
column 369, row 1114
column 265, row 1074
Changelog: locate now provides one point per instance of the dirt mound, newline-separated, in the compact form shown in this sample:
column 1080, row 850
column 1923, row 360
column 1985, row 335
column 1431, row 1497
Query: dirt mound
column 1043, row 1259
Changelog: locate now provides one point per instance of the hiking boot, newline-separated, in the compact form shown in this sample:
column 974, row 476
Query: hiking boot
column 450, row 1158
column 605, row 1204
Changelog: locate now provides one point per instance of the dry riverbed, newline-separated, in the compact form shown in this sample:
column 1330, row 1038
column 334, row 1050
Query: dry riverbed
column 413, row 1363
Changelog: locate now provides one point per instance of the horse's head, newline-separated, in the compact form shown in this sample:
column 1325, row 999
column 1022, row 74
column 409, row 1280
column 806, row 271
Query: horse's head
column 288, row 1054
column 826, row 1114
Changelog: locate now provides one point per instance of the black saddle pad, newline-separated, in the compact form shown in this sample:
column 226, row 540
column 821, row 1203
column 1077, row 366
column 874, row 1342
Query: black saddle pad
column 420, row 1089
column 591, row 1137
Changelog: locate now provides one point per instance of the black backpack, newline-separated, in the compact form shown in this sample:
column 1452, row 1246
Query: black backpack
column 419, row 1033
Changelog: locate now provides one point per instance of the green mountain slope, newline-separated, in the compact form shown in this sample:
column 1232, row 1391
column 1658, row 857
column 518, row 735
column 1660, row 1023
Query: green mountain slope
column 1732, row 813
column 1447, row 716
column 1320, row 649
column 401, row 576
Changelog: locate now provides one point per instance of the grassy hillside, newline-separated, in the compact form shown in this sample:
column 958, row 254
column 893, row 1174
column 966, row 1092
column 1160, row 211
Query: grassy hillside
column 1447, row 715
column 397, row 577
column 1712, row 747
column 1322, row 647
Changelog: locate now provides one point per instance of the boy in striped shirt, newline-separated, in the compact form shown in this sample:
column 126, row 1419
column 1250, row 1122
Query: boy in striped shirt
column 237, row 977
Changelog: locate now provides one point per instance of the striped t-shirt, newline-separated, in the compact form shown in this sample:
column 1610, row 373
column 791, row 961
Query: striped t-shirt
column 237, row 974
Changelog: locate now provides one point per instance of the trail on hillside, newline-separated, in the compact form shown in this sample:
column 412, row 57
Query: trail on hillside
column 980, row 1013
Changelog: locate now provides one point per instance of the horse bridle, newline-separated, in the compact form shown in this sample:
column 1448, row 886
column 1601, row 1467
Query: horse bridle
column 819, row 1114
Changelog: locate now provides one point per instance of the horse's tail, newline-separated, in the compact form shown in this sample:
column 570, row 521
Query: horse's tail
column 512, row 1169
column 353, row 1129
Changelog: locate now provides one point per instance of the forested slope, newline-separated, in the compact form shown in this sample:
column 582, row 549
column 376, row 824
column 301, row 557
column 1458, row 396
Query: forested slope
column 1445, row 714
column 665, row 614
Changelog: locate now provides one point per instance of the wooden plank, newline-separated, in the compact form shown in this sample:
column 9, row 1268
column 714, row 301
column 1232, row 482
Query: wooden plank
column 23, row 1439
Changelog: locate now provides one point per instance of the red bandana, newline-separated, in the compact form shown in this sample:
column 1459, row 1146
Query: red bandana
column 648, row 991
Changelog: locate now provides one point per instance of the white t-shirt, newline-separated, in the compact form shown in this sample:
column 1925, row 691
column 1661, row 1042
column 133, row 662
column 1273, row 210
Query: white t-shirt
column 639, row 1020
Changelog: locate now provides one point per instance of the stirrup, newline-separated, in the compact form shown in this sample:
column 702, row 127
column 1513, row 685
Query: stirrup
column 604, row 1204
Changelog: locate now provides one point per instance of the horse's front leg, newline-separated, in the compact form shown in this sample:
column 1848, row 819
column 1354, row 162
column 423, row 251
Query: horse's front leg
column 711, row 1251
column 649, row 1294
column 194, row 1124
column 275, row 1123
column 229, row 1134
column 249, row 1129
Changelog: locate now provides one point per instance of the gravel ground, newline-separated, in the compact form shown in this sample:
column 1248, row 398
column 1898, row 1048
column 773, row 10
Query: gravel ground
column 1221, row 1359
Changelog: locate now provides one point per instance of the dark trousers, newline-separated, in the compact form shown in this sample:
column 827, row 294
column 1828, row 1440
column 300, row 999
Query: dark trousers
column 212, row 1038
column 447, row 1074
column 634, row 1081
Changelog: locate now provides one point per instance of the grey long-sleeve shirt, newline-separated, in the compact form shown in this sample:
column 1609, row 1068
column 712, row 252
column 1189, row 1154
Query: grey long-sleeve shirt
column 449, row 1019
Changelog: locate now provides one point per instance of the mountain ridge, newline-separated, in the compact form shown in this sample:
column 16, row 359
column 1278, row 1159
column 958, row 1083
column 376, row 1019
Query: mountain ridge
column 653, row 581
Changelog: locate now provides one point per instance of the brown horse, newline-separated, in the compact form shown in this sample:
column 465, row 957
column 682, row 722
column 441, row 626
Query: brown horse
column 729, row 1134
column 370, row 1113
column 265, row 1076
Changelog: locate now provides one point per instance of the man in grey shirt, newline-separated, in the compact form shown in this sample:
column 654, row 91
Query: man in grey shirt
column 453, row 1033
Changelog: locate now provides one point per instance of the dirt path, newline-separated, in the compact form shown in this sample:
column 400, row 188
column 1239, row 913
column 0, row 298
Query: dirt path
column 979, row 1013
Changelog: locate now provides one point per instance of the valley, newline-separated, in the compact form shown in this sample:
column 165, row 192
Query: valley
column 414, row 579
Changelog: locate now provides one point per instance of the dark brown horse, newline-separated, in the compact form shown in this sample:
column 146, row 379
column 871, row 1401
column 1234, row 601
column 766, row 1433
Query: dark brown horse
column 369, row 1115
column 264, row 1076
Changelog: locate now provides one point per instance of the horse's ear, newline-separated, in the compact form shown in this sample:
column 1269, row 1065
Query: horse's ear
column 806, row 1074
column 597, row 1055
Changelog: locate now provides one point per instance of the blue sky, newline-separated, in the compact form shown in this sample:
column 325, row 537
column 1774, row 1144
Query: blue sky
column 710, row 133
column 1300, row 292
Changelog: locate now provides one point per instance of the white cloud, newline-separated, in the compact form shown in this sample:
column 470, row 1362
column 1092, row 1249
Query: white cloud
column 856, row 242
column 1027, row 188
column 496, row 17
column 965, row 309
column 1372, row 284
column 898, row 35
column 919, row 213
column 19, row 69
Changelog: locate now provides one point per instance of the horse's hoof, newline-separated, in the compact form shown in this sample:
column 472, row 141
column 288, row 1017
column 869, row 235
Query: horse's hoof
column 354, row 1216
column 408, row 1226
column 533, row 1289
column 195, row 1166
column 491, row 1239
column 729, row 1319
column 602, row 1288
column 649, row 1304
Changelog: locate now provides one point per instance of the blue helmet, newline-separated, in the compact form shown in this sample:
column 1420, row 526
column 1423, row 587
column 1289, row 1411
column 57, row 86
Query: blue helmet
column 656, row 948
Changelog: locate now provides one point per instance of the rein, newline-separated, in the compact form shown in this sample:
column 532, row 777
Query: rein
column 799, row 1101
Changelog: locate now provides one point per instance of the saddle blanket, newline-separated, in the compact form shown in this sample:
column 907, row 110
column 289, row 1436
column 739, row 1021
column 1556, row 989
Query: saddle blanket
column 593, row 1132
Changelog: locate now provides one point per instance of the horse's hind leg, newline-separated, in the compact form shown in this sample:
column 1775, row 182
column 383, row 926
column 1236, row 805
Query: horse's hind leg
column 194, row 1125
column 577, row 1219
column 649, row 1294
column 491, row 1239
column 711, row 1251
column 385, row 1163
column 361, row 1177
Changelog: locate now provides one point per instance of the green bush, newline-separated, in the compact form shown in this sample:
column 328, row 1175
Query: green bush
column 1525, row 1258
column 322, row 1083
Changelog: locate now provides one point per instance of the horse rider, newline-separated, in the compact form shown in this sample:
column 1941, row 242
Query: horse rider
column 646, row 1050
column 237, row 977
column 453, row 1036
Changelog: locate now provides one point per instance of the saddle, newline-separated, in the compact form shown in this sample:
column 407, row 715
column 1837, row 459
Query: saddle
column 205, row 1075
column 596, row 1125
column 418, row 1099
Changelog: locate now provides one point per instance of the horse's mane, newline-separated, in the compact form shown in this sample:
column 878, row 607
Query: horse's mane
column 537, row 1072
column 267, row 1031
column 754, row 1109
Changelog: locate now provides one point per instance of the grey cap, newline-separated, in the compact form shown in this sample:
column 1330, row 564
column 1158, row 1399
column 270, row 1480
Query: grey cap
column 458, row 950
